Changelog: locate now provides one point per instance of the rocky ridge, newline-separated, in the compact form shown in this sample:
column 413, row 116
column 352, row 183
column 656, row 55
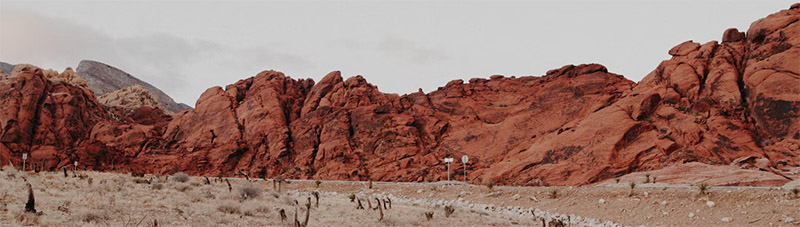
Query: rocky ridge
column 103, row 78
column 733, row 102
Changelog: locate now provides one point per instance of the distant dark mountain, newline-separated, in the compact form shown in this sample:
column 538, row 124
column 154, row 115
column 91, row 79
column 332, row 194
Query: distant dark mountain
column 103, row 78
column 6, row 68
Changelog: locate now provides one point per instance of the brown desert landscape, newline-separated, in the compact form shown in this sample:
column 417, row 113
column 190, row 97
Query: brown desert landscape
column 710, row 137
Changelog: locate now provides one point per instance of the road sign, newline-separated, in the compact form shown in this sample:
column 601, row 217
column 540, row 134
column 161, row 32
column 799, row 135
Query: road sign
column 24, row 158
column 448, row 160
column 464, row 159
column 76, row 166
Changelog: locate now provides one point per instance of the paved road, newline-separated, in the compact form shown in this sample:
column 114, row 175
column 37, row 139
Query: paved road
column 466, row 184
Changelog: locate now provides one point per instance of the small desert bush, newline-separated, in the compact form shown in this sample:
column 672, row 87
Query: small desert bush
column 796, row 192
column 93, row 216
column 139, row 181
column 229, row 208
column 157, row 186
column 553, row 193
column 180, row 177
column 27, row 219
column 490, row 185
column 248, row 190
column 703, row 187
column 183, row 187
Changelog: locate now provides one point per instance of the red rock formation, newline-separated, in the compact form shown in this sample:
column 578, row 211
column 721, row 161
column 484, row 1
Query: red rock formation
column 711, row 103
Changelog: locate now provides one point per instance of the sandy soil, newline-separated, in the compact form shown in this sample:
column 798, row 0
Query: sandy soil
column 110, row 199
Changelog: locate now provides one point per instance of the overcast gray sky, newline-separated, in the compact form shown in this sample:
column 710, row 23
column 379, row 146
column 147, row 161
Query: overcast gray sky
column 185, row 47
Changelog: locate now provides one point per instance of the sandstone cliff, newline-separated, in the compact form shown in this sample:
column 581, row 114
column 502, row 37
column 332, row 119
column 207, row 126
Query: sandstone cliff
column 735, row 102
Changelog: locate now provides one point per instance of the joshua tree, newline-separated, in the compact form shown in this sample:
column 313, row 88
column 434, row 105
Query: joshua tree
column 316, row 197
column 380, row 209
column 317, row 182
column 207, row 180
column 278, row 180
column 283, row 215
column 449, row 210
column 632, row 185
column 429, row 215
column 30, row 205
column 230, row 189
column 360, row 206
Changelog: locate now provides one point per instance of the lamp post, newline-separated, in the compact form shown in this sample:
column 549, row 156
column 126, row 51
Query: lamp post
column 448, row 161
column 464, row 159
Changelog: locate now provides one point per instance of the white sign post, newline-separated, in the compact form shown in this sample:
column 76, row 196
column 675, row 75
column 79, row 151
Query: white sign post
column 464, row 159
column 448, row 161
column 76, row 166
column 24, row 158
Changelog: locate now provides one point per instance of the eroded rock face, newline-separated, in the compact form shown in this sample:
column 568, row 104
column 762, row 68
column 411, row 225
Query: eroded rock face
column 711, row 103
column 129, row 99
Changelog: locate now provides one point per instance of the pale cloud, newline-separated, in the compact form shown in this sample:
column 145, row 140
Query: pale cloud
column 178, row 66
column 184, row 47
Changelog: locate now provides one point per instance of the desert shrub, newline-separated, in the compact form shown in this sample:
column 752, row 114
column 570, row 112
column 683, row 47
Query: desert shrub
column 317, row 182
column 183, row 187
column 229, row 208
column 157, row 186
column 248, row 190
column 93, row 216
column 141, row 181
column 180, row 177
column 27, row 219
column 553, row 193
column 490, row 185
column 796, row 192
column 703, row 187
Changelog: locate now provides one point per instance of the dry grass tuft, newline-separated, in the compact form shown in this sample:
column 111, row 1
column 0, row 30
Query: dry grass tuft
column 229, row 208
column 156, row 186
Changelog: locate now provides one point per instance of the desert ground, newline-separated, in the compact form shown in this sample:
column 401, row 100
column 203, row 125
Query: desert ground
column 120, row 199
